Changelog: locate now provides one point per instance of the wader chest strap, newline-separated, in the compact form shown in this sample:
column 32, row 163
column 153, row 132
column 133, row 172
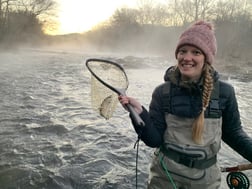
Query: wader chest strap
column 166, row 96
column 188, row 160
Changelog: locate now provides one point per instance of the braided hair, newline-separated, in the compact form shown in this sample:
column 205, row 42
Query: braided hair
column 198, row 124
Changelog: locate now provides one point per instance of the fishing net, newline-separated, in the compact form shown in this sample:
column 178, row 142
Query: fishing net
column 108, row 80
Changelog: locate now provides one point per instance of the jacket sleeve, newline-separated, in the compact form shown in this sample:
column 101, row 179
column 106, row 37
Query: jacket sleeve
column 152, row 133
column 232, row 131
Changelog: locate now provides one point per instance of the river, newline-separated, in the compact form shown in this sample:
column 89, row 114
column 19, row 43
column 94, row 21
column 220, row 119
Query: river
column 52, row 139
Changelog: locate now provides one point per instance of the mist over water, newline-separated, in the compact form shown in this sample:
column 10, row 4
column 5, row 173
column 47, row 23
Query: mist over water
column 52, row 139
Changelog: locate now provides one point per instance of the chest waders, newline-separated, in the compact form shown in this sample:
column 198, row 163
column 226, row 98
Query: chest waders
column 180, row 163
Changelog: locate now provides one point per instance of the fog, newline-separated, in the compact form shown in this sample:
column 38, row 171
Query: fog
column 50, row 136
column 233, row 56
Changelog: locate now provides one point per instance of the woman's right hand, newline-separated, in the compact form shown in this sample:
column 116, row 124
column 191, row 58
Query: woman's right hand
column 124, row 100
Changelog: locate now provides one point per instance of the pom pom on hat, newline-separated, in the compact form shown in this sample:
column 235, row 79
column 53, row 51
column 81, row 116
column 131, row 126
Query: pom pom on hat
column 201, row 35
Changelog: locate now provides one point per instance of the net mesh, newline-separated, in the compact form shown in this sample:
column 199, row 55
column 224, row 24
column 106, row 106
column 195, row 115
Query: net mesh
column 104, row 101
column 111, row 74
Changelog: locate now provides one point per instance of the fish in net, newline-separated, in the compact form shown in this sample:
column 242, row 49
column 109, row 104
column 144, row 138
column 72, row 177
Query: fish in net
column 103, row 100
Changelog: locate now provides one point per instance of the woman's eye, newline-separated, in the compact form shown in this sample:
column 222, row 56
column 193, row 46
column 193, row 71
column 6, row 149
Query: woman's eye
column 182, row 51
column 197, row 52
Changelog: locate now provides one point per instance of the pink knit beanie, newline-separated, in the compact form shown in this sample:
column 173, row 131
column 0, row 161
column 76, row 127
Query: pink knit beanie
column 201, row 35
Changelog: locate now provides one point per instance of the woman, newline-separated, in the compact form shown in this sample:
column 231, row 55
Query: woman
column 189, row 115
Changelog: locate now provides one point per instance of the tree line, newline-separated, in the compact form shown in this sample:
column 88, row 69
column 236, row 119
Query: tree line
column 156, row 26
column 25, row 19
column 149, row 26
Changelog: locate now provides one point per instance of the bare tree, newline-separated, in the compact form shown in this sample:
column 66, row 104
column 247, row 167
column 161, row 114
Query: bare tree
column 232, row 9
column 44, row 10
column 37, row 7
column 186, row 11
column 151, row 12
column 4, row 14
column 25, row 17
column 124, row 16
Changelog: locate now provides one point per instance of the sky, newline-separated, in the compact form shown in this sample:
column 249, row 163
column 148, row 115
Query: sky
column 76, row 16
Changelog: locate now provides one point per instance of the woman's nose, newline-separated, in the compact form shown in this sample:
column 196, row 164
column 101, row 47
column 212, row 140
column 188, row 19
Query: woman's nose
column 187, row 56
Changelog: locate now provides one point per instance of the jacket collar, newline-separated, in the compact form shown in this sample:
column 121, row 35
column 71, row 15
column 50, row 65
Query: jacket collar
column 173, row 75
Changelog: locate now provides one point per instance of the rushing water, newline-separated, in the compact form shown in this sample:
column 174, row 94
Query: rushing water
column 50, row 138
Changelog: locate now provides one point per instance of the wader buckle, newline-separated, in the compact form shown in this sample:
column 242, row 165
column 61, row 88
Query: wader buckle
column 187, row 161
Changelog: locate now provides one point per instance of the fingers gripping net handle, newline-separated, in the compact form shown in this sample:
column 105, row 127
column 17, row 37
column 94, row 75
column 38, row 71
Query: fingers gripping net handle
column 112, row 76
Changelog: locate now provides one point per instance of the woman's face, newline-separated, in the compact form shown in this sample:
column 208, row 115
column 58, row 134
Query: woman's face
column 190, row 62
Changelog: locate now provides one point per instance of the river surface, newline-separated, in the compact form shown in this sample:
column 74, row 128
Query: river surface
column 50, row 137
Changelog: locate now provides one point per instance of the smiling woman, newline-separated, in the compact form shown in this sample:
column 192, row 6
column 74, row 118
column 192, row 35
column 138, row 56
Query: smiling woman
column 77, row 16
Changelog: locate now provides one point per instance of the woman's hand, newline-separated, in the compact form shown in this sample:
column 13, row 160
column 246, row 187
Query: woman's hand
column 133, row 102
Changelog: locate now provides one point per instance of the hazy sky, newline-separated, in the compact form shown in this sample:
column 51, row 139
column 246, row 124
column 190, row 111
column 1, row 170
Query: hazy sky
column 81, row 15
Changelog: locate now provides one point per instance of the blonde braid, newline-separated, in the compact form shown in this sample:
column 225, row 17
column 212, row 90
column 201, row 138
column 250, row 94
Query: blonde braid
column 198, row 124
